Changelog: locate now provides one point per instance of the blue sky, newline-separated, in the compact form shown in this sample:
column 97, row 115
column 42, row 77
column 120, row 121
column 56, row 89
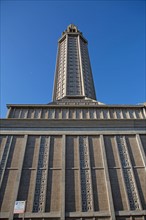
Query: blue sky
column 115, row 31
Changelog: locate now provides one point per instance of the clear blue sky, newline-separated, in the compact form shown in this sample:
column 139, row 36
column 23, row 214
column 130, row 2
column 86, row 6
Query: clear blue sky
column 115, row 31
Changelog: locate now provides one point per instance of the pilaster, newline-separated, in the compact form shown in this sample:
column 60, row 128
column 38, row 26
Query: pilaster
column 17, row 183
column 63, row 178
column 108, row 185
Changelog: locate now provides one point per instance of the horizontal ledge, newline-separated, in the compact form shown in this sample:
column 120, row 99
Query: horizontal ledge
column 94, row 104
column 88, row 214
column 76, row 214
column 70, row 123
column 131, row 213
column 71, row 131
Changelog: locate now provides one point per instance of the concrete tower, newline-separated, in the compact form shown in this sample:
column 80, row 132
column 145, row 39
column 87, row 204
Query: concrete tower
column 74, row 158
column 73, row 78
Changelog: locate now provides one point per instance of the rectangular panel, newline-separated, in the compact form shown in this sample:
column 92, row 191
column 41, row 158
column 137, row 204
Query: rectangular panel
column 16, row 113
column 70, row 191
column 111, row 151
column 55, row 159
column 118, row 190
column 72, row 113
column 99, row 190
column 72, row 152
column 115, row 173
column 7, row 190
column 12, row 112
column 15, row 151
column 95, row 151
column 51, row 114
column 79, row 113
column 31, row 153
column 123, row 218
column 53, row 197
column 2, row 145
column 105, row 113
column 133, row 150
column 126, row 113
column 26, row 188
column 37, row 113
column 58, row 113
column 138, row 218
column 24, row 113
column 143, row 141
column 103, row 218
column 140, row 178
column 86, row 113
column 92, row 113
column 64, row 113
column 72, row 188
column 30, row 113
column 112, row 113
column 44, row 113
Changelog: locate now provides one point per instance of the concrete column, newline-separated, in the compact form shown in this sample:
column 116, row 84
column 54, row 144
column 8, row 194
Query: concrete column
column 81, row 68
column 124, row 185
column 80, row 196
column 90, row 173
column 63, row 178
column 47, row 166
column 141, row 149
column 133, row 195
column 66, row 69
column 136, row 189
column 108, row 186
column 8, row 112
column 144, row 112
column 5, row 156
column 17, row 183
column 36, row 170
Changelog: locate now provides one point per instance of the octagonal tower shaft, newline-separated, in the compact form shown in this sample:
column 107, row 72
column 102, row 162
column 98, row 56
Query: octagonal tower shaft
column 73, row 78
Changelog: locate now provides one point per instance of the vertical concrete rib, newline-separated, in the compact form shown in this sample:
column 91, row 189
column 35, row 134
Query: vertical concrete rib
column 132, row 191
column 66, row 68
column 141, row 150
column 37, row 181
column 8, row 112
column 47, row 168
column 56, row 74
column 136, row 189
column 17, row 183
column 90, row 174
column 81, row 67
column 5, row 157
column 144, row 112
column 108, row 186
column 63, row 178
column 122, row 174
column 80, row 195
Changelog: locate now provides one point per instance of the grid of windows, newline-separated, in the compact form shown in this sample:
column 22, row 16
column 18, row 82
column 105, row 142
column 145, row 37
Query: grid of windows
column 74, row 75
column 87, row 74
column 73, row 67
column 61, row 69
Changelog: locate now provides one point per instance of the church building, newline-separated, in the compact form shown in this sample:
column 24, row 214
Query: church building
column 74, row 158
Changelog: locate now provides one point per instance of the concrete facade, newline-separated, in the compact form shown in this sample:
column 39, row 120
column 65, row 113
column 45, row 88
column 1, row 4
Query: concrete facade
column 75, row 158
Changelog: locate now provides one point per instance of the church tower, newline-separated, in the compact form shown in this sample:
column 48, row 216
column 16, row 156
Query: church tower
column 73, row 158
column 73, row 78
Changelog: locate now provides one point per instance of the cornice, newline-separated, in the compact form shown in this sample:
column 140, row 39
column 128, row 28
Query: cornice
column 92, row 123
column 76, row 105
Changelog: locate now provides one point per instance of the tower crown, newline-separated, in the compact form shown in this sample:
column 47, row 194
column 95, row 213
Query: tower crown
column 73, row 78
column 71, row 29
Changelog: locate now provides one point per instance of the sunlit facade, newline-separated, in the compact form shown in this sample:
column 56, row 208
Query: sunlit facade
column 74, row 158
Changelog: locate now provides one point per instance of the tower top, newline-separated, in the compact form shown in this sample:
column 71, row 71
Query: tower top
column 71, row 29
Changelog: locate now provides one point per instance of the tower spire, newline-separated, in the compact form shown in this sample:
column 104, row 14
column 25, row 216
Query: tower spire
column 73, row 78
